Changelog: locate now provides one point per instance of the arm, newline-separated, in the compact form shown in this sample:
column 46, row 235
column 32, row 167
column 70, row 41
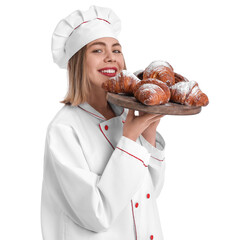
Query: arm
column 92, row 201
column 155, row 144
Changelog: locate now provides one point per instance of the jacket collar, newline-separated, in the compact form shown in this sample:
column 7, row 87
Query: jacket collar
column 90, row 110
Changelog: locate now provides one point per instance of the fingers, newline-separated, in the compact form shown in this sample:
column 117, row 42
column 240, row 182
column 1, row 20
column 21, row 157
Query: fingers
column 156, row 118
column 141, row 113
column 151, row 116
column 131, row 114
column 144, row 116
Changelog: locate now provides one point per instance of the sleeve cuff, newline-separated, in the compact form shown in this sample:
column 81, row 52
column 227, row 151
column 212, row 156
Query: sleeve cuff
column 157, row 152
column 134, row 149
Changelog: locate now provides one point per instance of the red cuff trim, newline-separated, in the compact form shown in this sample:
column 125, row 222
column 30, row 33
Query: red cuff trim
column 133, row 156
column 157, row 159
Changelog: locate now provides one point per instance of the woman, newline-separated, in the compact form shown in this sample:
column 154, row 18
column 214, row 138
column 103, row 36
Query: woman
column 103, row 166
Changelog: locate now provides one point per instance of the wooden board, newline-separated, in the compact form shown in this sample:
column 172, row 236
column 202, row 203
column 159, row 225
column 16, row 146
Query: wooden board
column 169, row 108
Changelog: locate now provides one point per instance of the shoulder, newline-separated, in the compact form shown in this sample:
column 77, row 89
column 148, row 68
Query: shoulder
column 66, row 117
column 74, row 118
column 63, row 127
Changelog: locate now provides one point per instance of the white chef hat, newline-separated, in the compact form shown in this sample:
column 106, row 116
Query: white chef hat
column 80, row 28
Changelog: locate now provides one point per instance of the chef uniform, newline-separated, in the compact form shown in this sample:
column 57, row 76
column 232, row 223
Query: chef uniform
column 97, row 183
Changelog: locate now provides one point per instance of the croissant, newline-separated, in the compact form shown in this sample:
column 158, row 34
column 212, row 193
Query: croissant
column 152, row 92
column 188, row 93
column 180, row 78
column 160, row 70
column 124, row 82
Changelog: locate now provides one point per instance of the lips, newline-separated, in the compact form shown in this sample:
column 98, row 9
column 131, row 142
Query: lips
column 109, row 72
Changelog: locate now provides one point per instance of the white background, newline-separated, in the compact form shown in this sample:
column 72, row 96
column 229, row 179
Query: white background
column 205, row 191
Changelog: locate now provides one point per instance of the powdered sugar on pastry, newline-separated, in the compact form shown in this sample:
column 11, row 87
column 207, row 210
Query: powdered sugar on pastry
column 195, row 90
column 124, row 82
column 126, row 73
column 156, row 64
column 149, row 87
column 183, row 87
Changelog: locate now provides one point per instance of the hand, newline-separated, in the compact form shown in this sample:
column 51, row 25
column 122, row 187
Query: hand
column 150, row 132
column 134, row 126
column 152, row 127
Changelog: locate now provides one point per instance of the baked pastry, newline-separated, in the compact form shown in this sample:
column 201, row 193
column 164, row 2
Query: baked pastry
column 180, row 78
column 188, row 93
column 160, row 70
column 124, row 82
column 152, row 92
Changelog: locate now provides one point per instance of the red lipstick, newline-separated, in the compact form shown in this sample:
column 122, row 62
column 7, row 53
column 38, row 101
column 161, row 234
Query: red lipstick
column 108, row 71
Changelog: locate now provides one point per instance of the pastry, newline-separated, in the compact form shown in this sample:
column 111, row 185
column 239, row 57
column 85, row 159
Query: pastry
column 160, row 70
column 188, row 93
column 124, row 82
column 152, row 92
column 180, row 78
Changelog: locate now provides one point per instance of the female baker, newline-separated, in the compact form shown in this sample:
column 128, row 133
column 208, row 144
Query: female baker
column 103, row 166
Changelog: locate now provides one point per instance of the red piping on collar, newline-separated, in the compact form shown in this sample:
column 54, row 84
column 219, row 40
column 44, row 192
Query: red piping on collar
column 97, row 115
column 92, row 113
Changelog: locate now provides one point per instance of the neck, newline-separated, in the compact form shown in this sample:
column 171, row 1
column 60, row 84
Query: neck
column 98, row 101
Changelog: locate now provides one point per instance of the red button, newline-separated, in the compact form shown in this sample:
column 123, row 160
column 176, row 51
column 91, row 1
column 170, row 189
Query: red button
column 123, row 121
column 148, row 195
column 137, row 205
column 151, row 237
column 106, row 127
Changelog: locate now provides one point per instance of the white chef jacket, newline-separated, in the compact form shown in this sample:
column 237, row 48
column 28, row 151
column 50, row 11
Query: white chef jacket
column 98, row 184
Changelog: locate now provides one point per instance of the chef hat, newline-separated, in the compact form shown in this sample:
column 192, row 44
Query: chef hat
column 80, row 28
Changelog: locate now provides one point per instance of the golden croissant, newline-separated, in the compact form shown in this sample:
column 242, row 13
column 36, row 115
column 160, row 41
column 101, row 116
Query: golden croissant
column 124, row 82
column 188, row 93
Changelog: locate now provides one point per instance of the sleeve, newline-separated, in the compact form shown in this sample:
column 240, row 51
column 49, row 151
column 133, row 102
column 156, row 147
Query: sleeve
column 92, row 201
column 157, row 163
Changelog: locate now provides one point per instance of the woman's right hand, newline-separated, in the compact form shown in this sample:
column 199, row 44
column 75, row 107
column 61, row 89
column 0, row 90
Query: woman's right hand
column 135, row 125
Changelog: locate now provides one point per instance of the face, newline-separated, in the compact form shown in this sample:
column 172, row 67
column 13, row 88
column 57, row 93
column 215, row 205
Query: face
column 104, row 59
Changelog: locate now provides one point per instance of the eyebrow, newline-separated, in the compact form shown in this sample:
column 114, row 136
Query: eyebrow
column 103, row 44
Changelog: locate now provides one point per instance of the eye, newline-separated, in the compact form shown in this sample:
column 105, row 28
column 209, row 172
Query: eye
column 116, row 51
column 97, row 51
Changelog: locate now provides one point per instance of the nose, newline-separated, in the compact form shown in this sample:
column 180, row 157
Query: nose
column 110, row 57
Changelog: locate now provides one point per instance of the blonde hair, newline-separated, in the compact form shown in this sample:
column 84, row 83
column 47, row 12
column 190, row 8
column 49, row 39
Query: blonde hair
column 79, row 84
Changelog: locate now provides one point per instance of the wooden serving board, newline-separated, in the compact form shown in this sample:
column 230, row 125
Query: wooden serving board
column 128, row 101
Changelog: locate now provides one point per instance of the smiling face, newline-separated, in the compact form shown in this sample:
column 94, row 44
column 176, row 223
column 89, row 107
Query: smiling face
column 104, row 59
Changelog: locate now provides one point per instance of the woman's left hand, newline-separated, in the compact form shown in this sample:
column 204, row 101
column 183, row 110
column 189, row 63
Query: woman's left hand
column 150, row 132
column 152, row 126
